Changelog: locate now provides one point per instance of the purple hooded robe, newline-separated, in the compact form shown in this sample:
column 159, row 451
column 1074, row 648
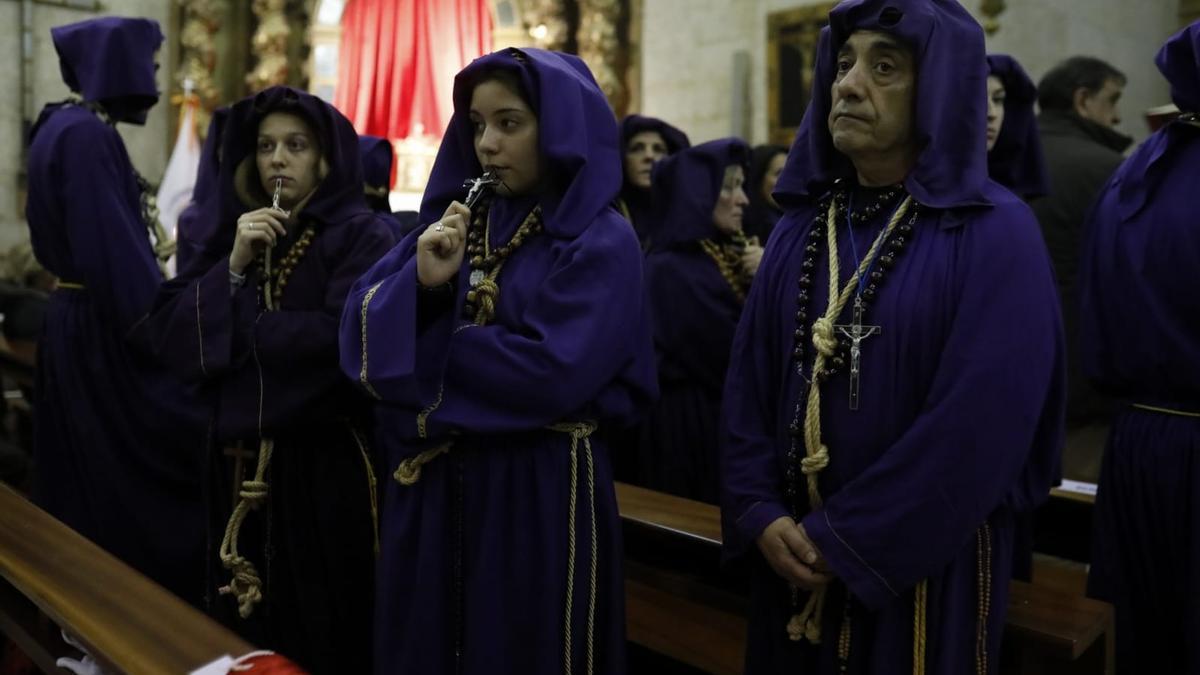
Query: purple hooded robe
column 117, row 442
column 694, row 310
column 273, row 374
column 960, row 411
column 1140, row 343
column 504, row 555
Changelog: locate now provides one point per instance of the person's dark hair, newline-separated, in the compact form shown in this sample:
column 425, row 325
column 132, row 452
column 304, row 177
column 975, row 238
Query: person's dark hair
column 1057, row 89
column 506, row 77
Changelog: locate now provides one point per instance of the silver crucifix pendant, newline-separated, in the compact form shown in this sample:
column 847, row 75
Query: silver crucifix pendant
column 856, row 332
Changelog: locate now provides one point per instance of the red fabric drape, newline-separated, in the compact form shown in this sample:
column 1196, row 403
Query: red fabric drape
column 398, row 59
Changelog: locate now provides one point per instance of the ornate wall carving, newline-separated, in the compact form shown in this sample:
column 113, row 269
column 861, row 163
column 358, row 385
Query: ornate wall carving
column 200, row 20
column 600, row 46
column 269, row 45
column 547, row 20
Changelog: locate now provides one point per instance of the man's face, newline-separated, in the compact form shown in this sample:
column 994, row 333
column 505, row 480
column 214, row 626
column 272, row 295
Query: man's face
column 873, row 93
column 1100, row 106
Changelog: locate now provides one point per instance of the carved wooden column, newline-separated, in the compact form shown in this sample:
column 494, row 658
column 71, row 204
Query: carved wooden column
column 269, row 45
column 600, row 46
column 198, row 53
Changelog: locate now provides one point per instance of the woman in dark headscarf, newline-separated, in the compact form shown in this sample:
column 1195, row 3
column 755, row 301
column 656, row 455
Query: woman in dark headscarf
column 766, row 163
column 696, row 283
column 1014, row 146
column 497, row 338
column 644, row 141
column 255, row 318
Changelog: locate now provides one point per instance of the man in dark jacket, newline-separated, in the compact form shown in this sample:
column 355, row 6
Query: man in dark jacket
column 1078, row 100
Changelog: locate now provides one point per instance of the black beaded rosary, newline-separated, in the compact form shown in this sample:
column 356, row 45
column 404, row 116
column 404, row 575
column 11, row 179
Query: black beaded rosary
column 849, row 335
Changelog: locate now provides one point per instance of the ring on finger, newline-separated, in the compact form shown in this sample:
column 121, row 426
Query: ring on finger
column 439, row 228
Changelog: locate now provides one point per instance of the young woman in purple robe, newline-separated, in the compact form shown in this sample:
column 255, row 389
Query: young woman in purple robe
column 254, row 318
column 1140, row 342
column 117, row 442
column 644, row 141
column 895, row 391
column 1013, row 144
column 696, row 281
column 496, row 339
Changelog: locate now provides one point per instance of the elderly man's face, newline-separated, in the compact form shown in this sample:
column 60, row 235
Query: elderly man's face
column 873, row 93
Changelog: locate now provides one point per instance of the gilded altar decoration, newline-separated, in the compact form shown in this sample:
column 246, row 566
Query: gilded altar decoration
column 198, row 54
column 269, row 45
column 547, row 21
column 600, row 46
column 991, row 10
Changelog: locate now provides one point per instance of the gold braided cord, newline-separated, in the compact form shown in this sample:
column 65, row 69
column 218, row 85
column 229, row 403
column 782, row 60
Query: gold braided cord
column 423, row 416
column 591, row 618
column 409, row 471
column 372, row 483
column 807, row 623
column 574, row 484
column 579, row 431
column 920, row 598
column 730, row 268
column 1151, row 408
column 362, row 374
column 246, row 584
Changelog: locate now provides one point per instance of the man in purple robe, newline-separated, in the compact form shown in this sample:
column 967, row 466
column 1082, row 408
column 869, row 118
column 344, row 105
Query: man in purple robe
column 895, row 388
column 496, row 339
column 117, row 444
column 254, row 319
column 1140, row 342
column 696, row 282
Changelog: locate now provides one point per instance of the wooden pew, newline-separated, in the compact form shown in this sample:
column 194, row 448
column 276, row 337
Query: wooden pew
column 127, row 622
column 681, row 606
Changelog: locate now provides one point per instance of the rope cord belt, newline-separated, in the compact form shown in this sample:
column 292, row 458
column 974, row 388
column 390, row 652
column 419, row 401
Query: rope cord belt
column 1165, row 411
column 409, row 472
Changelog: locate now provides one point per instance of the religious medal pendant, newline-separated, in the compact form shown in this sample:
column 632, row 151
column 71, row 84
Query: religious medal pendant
column 477, row 187
column 476, row 277
column 275, row 198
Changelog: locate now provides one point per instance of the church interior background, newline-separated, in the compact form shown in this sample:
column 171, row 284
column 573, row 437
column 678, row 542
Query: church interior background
column 712, row 67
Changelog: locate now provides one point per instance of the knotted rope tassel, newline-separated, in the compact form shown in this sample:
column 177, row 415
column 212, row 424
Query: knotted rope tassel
column 246, row 584
column 807, row 623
